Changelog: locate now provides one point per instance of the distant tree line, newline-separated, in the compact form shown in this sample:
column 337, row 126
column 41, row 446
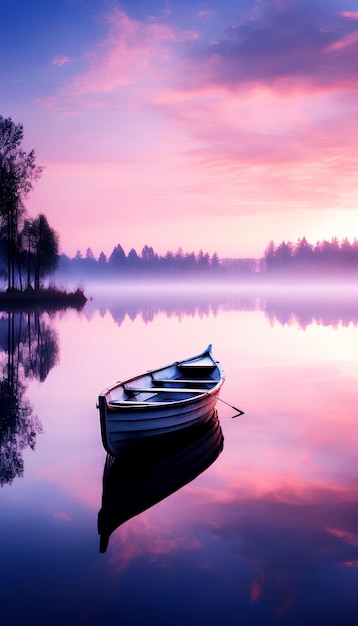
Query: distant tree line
column 324, row 257
column 28, row 246
column 148, row 262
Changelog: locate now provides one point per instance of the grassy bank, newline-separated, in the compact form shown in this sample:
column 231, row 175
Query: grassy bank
column 44, row 298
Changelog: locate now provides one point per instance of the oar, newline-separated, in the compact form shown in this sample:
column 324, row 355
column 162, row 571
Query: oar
column 239, row 412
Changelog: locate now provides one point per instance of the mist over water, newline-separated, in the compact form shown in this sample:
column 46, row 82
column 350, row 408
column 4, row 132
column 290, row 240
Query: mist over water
column 327, row 304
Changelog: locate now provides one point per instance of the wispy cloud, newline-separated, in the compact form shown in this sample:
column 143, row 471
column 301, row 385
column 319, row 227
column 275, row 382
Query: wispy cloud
column 133, row 52
column 206, row 14
column 60, row 59
column 351, row 15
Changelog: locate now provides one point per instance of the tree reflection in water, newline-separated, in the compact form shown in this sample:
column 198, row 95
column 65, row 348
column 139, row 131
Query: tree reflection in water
column 28, row 349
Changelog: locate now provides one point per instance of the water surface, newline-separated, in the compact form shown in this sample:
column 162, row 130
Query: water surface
column 266, row 533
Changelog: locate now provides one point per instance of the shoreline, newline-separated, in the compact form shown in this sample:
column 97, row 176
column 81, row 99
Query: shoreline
column 43, row 298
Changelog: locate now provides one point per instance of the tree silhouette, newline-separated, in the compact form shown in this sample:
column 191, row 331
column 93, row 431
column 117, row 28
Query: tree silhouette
column 28, row 348
column 269, row 256
column 118, row 257
column 202, row 261
column 303, row 253
column 44, row 248
column 148, row 254
column 214, row 262
column 325, row 258
column 18, row 171
column 89, row 254
column 133, row 259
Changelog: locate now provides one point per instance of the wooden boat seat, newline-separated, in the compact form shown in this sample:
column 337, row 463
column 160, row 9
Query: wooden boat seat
column 209, row 367
column 156, row 390
column 187, row 381
column 202, row 363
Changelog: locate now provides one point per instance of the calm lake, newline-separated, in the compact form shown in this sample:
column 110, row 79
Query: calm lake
column 266, row 533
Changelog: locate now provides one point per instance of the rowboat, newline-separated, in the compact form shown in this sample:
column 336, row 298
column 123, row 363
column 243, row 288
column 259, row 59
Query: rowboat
column 150, row 470
column 160, row 401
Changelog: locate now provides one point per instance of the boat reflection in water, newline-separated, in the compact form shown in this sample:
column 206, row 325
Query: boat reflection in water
column 146, row 472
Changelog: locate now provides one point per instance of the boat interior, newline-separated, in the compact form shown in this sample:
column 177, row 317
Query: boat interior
column 176, row 382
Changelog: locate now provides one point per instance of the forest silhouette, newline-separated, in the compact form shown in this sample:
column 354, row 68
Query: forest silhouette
column 302, row 259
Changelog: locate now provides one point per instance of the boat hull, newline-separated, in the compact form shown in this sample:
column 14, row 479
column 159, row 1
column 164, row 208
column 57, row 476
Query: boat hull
column 158, row 411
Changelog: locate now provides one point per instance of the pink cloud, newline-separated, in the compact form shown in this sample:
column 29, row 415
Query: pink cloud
column 346, row 536
column 132, row 52
column 60, row 59
column 345, row 42
column 61, row 515
column 351, row 15
column 206, row 14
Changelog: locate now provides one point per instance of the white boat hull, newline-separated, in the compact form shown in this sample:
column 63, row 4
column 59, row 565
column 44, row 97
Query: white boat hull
column 139, row 408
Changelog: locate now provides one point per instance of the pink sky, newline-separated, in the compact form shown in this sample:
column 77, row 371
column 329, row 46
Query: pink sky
column 214, row 127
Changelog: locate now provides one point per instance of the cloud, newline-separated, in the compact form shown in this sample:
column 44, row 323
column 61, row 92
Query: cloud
column 351, row 15
column 264, row 115
column 60, row 59
column 62, row 516
column 206, row 14
column 345, row 42
column 280, row 46
column 133, row 51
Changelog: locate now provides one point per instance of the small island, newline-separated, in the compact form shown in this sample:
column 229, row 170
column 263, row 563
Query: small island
column 48, row 298
column 29, row 247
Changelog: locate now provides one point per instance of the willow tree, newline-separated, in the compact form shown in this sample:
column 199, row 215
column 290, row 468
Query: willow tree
column 18, row 171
